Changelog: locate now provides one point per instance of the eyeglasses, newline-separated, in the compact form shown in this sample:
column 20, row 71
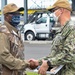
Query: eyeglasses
column 14, row 13
column 54, row 9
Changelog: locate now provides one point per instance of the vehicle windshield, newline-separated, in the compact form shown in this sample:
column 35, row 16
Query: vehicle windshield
column 41, row 20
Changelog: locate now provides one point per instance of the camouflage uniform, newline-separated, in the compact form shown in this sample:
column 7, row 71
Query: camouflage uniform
column 11, row 48
column 63, row 49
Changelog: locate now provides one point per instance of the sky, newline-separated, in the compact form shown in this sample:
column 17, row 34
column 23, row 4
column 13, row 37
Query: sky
column 31, row 3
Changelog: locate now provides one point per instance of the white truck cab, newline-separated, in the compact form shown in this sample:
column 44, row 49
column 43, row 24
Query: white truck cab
column 40, row 28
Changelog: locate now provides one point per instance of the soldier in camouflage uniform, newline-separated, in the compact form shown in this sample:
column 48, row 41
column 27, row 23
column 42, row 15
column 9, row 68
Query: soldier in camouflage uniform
column 11, row 46
column 63, row 45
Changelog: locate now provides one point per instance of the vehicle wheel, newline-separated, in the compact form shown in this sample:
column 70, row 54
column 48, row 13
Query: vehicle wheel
column 29, row 36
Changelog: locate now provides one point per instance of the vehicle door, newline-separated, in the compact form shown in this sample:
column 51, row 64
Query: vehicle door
column 42, row 25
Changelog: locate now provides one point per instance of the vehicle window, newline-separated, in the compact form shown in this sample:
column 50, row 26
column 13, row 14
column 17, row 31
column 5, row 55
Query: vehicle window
column 0, row 18
column 52, row 21
column 42, row 20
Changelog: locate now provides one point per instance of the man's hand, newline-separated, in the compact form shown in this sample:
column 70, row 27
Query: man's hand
column 43, row 68
column 33, row 63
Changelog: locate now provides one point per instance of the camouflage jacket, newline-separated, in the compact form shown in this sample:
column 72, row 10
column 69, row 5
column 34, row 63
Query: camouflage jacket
column 11, row 51
column 63, row 49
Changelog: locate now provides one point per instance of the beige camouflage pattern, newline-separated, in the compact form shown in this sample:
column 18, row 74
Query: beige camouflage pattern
column 63, row 49
column 11, row 47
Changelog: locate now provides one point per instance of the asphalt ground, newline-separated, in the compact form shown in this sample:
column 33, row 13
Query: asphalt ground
column 36, row 50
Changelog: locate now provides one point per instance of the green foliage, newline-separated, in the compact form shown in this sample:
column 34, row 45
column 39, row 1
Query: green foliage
column 31, row 73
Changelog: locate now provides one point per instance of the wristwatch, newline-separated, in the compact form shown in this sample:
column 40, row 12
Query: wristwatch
column 48, row 63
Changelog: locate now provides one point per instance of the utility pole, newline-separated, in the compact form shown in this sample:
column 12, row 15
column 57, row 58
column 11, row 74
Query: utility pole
column 3, row 3
column 25, row 11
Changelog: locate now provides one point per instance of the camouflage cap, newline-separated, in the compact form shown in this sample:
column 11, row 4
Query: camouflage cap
column 61, row 3
column 11, row 8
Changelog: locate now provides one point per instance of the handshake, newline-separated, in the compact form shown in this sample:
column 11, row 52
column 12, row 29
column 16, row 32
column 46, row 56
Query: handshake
column 33, row 63
column 43, row 67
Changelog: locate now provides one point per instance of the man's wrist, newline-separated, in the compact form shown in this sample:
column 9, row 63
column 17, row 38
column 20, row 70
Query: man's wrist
column 27, row 63
column 40, row 62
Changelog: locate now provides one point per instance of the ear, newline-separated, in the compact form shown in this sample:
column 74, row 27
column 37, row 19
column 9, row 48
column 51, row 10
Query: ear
column 7, row 17
column 61, row 10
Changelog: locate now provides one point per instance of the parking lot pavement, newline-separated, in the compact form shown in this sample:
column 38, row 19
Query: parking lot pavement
column 38, row 42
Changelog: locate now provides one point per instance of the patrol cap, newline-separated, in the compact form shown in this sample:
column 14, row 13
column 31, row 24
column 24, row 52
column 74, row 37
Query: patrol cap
column 11, row 8
column 61, row 4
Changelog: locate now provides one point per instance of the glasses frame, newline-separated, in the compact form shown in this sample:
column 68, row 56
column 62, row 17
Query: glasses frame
column 14, row 13
column 54, row 9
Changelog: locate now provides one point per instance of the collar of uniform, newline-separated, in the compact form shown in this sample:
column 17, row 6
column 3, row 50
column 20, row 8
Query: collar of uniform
column 10, row 27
